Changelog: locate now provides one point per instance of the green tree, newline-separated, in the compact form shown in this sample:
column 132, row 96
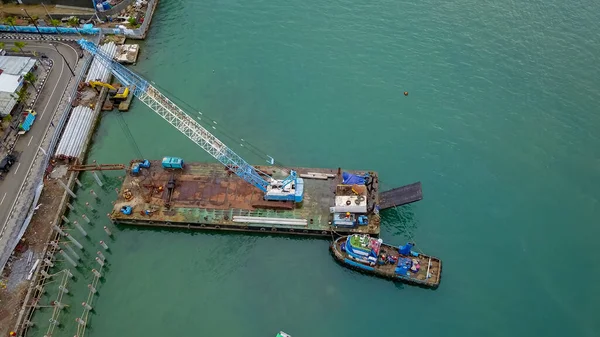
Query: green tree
column 1, row 45
column 55, row 23
column 20, row 45
column 11, row 21
column 23, row 95
column 133, row 22
column 74, row 22
column 30, row 78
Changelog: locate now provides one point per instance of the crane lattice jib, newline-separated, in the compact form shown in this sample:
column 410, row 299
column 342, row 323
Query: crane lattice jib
column 170, row 112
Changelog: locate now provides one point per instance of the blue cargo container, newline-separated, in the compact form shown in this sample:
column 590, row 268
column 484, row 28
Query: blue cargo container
column 172, row 163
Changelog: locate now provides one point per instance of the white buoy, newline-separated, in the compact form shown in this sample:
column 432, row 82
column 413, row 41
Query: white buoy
column 71, row 207
column 107, row 231
column 75, row 242
column 117, row 190
column 90, row 207
column 44, row 273
column 79, row 321
column 68, row 258
column 78, row 226
column 65, row 219
column 48, row 262
column 63, row 289
column 101, row 255
column 85, row 218
column 96, row 273
column 87, row 306
column 100, row 261
column 103, row 244
column 93, row 193
column 78, row 182
column 60, row 231
column 92, row 289
column 72, row 251
column 52, row 320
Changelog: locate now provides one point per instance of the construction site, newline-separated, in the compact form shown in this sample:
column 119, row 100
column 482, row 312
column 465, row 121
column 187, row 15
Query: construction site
column 23, row 277
column 229, row 194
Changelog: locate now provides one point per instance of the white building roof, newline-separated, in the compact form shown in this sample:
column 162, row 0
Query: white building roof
column 13, row 69
column 9, row 83
column 16, row 65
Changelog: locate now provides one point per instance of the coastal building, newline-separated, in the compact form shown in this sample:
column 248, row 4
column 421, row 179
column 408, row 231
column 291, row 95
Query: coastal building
column 12, row 71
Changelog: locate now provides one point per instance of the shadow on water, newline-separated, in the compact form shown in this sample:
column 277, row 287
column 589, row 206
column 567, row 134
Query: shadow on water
column 219, row 233
column 400, row 221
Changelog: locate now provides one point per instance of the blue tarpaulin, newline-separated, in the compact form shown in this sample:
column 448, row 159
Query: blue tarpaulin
column 405, row 250
column 403, row 266
column 351, row 179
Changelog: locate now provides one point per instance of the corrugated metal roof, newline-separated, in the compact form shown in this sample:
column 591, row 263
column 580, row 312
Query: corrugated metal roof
column 75, row 134
column 16, row 65
column 7, row 103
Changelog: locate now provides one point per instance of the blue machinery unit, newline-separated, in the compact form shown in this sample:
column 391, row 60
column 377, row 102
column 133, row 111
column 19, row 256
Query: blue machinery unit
column 135, row 168
column 291, row 188
column 172, row 162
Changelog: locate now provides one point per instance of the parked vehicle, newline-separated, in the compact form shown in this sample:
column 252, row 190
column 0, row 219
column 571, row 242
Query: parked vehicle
column 6, row 163
column 27, row 122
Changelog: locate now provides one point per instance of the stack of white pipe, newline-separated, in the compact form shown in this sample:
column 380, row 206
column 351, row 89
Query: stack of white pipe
column 76, row 131
column 98, row 71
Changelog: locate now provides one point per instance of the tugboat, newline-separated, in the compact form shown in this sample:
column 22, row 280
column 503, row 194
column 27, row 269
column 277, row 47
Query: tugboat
column 372, row 256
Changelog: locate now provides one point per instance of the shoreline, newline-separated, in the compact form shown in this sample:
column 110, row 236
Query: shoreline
column 40, row 235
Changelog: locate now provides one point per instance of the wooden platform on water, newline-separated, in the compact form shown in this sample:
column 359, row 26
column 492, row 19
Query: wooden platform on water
column 208, row 196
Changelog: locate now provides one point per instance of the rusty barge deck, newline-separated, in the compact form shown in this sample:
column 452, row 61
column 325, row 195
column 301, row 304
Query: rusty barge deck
column 208, row 196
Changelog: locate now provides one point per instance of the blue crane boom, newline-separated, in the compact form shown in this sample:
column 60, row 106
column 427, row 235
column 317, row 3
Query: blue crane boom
column 290, row 188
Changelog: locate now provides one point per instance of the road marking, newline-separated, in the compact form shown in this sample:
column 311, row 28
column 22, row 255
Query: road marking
column 62, row 67
column 1, row 201
column 31, row 164
column 30, row 139
column 17, row 169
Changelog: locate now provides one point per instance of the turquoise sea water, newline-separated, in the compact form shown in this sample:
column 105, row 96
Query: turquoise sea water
column 500, row 125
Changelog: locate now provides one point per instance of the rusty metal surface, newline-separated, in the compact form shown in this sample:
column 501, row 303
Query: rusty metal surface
column 94, row 167
column 208, row 194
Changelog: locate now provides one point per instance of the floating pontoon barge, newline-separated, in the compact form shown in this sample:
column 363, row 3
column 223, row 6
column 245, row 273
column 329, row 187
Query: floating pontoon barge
column 209, row 196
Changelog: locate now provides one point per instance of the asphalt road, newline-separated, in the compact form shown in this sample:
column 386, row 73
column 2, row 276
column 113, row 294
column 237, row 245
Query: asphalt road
column 46, row 105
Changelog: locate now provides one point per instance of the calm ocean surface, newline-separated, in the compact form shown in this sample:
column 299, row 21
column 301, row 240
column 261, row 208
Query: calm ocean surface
column 500, row 125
